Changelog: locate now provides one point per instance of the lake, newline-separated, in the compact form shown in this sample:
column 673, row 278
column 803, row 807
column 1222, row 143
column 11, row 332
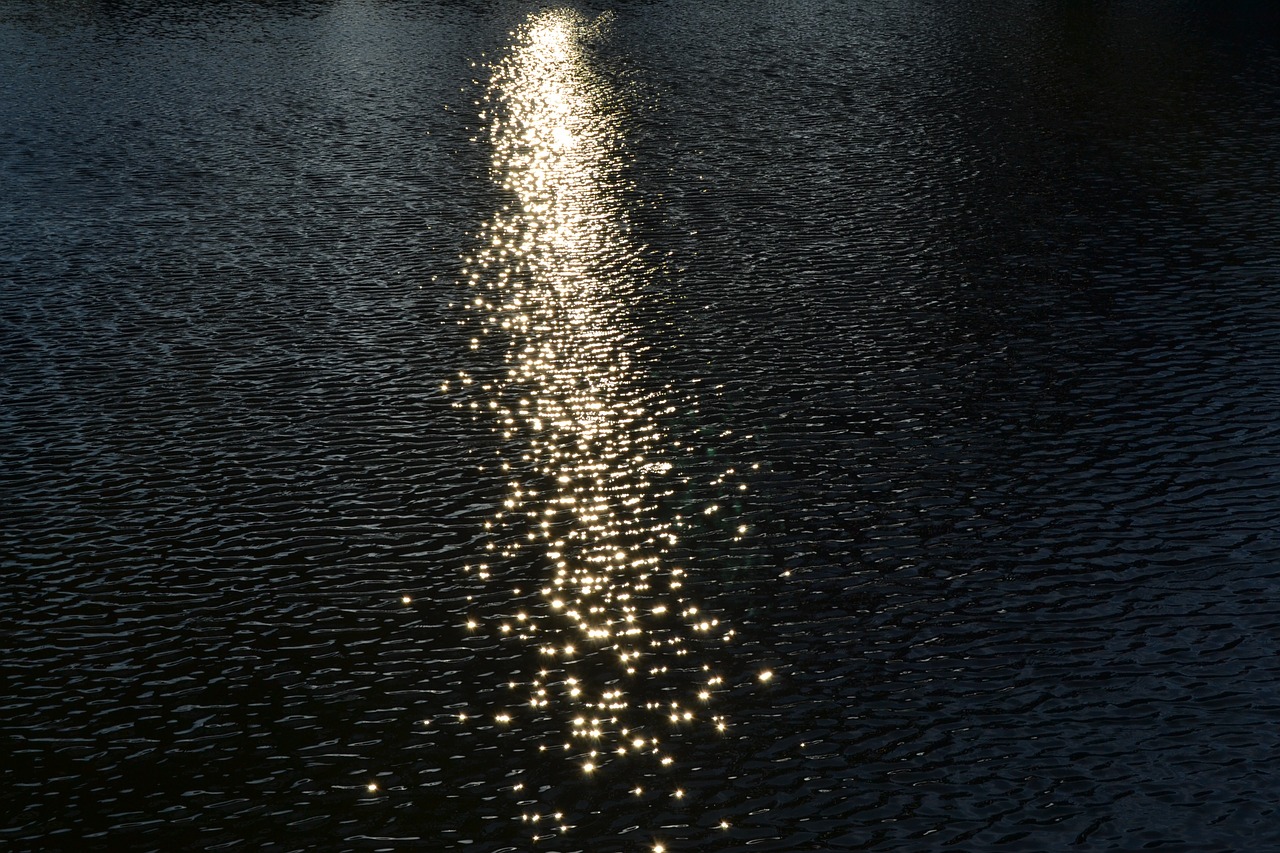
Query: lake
column 649, row 425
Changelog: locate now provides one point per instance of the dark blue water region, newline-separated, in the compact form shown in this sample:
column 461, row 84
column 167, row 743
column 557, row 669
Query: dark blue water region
column 870, row 409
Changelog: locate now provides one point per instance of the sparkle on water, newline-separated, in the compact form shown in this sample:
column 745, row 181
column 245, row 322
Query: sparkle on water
column 552, row 286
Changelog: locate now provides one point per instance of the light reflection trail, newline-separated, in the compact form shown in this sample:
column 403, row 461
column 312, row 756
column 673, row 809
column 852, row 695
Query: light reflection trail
column 618, row 650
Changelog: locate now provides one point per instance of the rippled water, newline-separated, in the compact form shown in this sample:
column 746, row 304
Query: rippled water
column 602, row 427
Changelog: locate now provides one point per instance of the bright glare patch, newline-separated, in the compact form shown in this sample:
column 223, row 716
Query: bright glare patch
column 582, row 433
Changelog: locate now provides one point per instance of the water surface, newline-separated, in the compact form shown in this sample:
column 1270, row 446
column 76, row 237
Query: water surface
column 400, row 401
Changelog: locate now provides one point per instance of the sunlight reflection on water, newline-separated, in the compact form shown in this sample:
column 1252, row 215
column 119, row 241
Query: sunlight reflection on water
column 619, row 671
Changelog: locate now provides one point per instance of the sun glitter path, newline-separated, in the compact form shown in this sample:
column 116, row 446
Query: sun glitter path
column 619, row 673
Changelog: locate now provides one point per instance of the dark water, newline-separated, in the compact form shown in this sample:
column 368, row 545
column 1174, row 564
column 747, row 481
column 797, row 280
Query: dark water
column 931, row 352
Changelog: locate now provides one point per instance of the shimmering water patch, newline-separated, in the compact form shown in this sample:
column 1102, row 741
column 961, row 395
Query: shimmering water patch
column 623, row 663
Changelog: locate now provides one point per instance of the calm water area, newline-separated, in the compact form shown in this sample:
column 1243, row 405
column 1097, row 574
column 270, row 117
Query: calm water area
column 651, row 425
